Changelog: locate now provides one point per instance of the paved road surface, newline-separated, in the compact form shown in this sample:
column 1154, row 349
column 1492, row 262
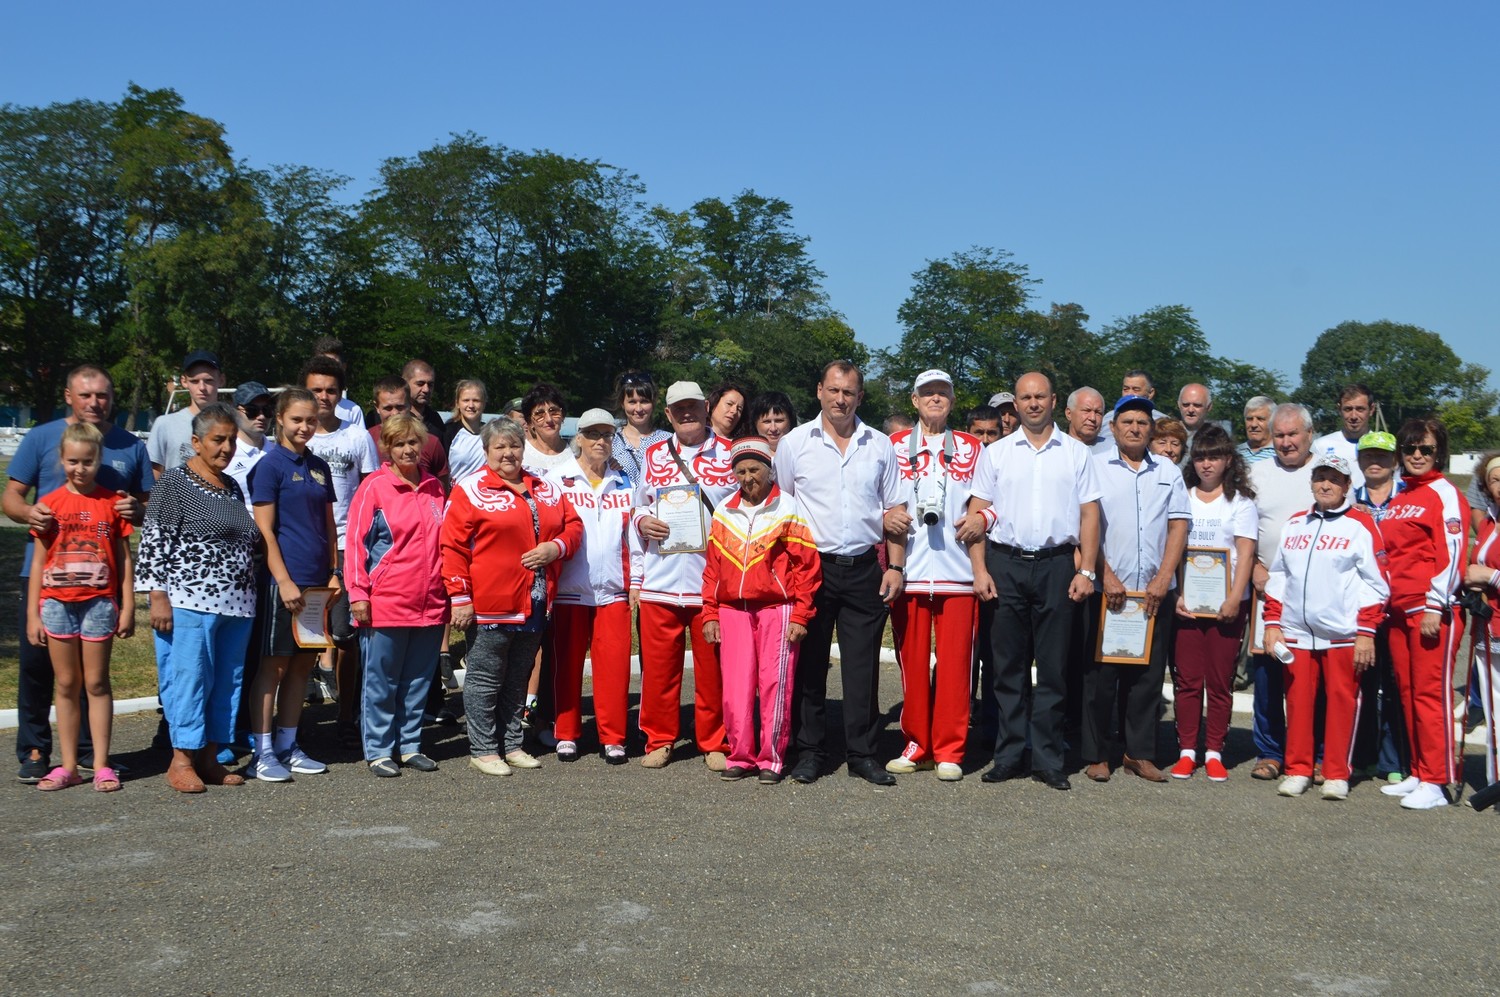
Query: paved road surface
column 587, row 879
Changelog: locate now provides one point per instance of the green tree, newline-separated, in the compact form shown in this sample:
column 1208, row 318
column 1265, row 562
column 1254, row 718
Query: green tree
column 1165, row 341
column 1235, row 383
column 1411, row 370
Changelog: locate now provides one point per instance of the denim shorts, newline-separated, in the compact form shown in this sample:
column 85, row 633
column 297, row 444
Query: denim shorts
column 93, row 619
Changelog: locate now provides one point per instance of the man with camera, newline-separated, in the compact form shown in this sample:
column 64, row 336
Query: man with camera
column 937, row 467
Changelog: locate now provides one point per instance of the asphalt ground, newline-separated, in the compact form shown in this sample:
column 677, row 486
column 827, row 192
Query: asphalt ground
column 591, row 879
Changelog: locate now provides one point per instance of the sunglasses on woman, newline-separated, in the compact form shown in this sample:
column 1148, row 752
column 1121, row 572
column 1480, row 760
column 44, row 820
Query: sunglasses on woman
column 1412, row 449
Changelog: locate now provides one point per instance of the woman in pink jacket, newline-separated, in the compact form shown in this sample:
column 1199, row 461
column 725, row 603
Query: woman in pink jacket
column 393, row 571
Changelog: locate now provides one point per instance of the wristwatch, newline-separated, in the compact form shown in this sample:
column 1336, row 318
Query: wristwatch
column 898, row 567
column 1088, row 574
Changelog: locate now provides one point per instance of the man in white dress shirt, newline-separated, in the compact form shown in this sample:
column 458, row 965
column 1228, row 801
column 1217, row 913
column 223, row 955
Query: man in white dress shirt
column 1036, row 497
column 845, row 474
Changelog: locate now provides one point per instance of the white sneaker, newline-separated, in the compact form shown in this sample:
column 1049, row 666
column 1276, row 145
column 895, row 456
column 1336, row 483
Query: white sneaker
column 1336, row 789
column 1426, row 796
column 1294, row 785
column 1403, row 787
column 520, row 759
column 901, row 765
column 949, row 771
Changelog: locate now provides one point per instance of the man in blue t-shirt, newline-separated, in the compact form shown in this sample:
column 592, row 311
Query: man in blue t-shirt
column 126, row 468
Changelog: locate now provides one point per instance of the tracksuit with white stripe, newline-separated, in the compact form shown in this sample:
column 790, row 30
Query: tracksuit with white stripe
column 1487, row 642
column 1327, row 586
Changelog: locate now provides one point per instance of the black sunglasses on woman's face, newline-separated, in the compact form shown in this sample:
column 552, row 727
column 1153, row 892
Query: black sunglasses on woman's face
column 1425, row 449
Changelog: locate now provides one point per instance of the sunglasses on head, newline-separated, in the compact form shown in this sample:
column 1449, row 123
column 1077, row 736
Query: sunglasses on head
column 636, row 377
column 1425, row 449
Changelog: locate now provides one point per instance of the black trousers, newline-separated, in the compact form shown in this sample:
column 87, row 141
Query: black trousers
column 34, row 685
column 849, row 598
column 1034, row 621
column 1127, row 695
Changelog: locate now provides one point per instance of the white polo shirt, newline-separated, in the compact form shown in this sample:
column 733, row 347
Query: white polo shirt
column 1036, row 493
column 844, row 495
column 1279, row 493
column 1135, row 509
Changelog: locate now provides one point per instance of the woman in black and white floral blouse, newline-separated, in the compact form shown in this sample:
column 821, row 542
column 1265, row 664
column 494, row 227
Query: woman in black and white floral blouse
column 196, row 561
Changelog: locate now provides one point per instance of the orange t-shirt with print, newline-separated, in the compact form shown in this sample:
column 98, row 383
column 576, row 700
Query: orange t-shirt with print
column 80, row 560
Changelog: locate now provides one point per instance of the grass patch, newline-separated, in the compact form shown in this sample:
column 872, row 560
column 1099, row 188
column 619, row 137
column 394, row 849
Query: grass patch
column 132, row 664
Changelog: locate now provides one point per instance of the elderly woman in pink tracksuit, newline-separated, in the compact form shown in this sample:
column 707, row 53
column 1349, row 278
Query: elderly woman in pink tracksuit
column 393, row 571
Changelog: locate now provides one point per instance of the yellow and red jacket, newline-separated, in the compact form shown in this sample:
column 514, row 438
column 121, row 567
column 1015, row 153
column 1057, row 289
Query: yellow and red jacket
column 760, row 556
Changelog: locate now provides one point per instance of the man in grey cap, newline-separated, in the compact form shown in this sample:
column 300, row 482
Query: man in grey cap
column 1004, row 402
column 254, row 410
column 171, row 441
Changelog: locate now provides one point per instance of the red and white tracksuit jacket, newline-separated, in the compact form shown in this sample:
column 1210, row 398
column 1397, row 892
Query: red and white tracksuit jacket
column 1487, row 644
column 591, row 615
column 1426, row 529
column 486, row 530
column 671, row 605
column 939, row 597
column 1327, row 585
column 761, row 572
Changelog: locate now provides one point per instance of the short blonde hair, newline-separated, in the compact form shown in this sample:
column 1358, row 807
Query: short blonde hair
column 399, row 427
column 82, row 432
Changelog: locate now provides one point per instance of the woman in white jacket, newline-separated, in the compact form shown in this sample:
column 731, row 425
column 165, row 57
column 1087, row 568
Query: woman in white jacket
column 1325, row 596
column 592, row 608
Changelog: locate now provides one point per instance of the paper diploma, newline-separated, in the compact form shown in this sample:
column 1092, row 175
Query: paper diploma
column 682, row 510
column 310, row 627
column 1125, row 636
column 1205, row 580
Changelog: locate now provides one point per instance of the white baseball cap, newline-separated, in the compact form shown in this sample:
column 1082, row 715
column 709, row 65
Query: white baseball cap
column 685, row 391
column 595, row 417
column 929, row 376
column 1002, row 398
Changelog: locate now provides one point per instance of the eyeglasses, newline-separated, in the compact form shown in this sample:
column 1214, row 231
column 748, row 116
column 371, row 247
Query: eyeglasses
column 256, row 411
column 1425, row 449
column 546, row 411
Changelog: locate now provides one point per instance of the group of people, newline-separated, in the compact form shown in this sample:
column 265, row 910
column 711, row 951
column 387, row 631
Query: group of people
column 1006, row 548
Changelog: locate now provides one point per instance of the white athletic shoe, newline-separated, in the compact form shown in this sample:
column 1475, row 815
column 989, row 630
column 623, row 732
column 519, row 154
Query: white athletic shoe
column 1294, row 785
column 1426, row 796
column 949, row 772
column 1336, row 789
column 901, row 765
column 1401, row 788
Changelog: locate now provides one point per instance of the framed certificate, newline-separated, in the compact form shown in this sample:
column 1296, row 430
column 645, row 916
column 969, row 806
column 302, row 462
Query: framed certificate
column 1204, row 581
column 310, row 627
column 1125, row 634
column 1257, row 622
column 681, row 508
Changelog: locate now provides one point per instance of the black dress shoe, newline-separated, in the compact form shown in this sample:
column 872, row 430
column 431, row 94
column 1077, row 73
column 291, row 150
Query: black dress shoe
column 735, row 773
column 1052, row 778
column 420, row 762
column 866, row 769
column 1002, row 773
column 769, row 777
column 807, row 770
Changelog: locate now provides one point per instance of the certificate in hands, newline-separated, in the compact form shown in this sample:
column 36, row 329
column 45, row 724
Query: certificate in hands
column 1205, row 580
column 1125, row 635
column 681, row 508
column 310, row 627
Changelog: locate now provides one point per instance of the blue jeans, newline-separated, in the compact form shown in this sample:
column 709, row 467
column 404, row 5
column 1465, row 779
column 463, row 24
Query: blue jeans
column 1268, row 721
column 199, row 666
column 398, row 673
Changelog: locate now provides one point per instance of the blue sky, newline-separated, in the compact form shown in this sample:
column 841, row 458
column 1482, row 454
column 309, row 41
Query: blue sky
column 1279, row 168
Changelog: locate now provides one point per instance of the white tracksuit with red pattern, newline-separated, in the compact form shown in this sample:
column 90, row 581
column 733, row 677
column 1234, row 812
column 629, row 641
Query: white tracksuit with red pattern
column 1426, row 530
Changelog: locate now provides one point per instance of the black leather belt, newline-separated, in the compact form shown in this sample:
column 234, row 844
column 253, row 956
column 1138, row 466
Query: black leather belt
column 1041, row 554
column 846, row 560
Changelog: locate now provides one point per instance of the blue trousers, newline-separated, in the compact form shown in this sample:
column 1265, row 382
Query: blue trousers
column 1268, row 720
column 398, row 674
column 199, row 668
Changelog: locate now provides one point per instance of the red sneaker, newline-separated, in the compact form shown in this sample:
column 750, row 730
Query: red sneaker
column 1216, row 770
column 1184, row 768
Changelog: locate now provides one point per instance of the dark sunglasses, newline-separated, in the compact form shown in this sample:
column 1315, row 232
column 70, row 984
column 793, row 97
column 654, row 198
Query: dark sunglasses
column 256, row 411
column 636, row 377
column 1426, row 450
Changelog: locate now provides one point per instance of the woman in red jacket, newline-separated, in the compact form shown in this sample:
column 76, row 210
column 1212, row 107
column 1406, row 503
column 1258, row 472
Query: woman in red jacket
column 1426, row 531
column 396, row 596
column 1483, row 574
column 491, row 516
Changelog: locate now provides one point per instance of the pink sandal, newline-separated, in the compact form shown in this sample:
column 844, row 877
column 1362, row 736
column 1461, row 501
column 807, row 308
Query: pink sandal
column 59, row 778
column 106, row 780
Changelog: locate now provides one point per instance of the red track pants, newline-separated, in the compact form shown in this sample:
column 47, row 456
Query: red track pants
column 606, row 631
column 935, row 706
column 1424, row 675
column 664, row 630
column 1335, row 667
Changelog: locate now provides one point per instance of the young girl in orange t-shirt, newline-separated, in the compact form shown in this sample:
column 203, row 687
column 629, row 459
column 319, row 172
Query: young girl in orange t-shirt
column 80, row 597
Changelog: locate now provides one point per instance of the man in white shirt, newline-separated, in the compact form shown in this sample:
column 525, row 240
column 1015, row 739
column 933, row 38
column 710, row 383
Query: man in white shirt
column 1283, row 486
column 668, row 587
column 1085, row 415
column 1145, row 516
column 1356, row 402
column 845, row 474
column 1036, row 497
column 171, row 442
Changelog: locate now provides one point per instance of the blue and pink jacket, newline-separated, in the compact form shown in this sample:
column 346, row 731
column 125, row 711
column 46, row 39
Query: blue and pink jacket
column 392, row 548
